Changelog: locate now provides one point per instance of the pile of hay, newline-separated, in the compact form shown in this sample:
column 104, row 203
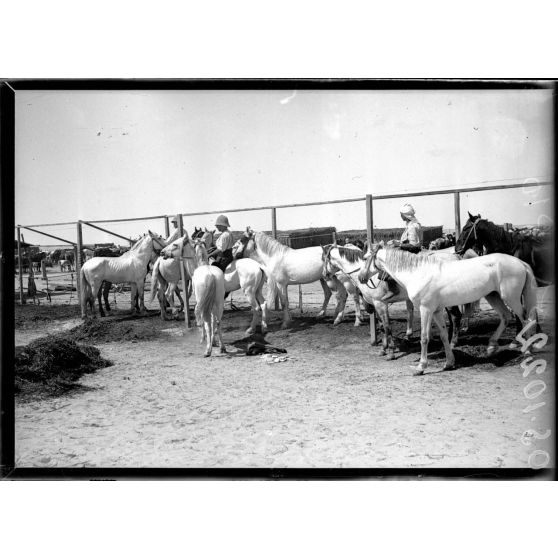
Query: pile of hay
column 52, row 365
column 106, row 331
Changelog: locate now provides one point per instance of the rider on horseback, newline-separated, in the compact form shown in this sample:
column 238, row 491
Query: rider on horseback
column 221, row 252
column 411, row 241
column 175, row 235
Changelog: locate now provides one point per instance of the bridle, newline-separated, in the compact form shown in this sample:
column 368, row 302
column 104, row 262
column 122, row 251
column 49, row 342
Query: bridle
column 327, row 258
column 473, row 230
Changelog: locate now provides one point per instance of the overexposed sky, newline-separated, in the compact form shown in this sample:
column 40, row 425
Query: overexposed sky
column 104, row 155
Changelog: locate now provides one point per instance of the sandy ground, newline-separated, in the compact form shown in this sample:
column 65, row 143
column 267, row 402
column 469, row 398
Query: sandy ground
column 333, row 403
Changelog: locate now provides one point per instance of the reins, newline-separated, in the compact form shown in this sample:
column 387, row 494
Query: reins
column 473, row 229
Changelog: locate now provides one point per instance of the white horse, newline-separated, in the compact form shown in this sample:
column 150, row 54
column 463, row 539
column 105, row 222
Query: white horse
column 286, row 266
column 65, row 264
column 209, row 289
column 131, row 267
column 245, row 274
column 433, row 284
column 166, row 272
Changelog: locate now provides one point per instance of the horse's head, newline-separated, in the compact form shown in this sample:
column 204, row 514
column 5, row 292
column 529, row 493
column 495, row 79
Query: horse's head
column 239, row 248
column 328, row 267
column 200, row 251
column 469, row 235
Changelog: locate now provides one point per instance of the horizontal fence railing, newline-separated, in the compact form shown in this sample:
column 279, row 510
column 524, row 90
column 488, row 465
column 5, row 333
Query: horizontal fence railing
column 307, row 204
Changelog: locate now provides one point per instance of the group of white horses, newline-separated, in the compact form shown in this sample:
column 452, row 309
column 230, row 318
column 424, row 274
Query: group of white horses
column 430, row 281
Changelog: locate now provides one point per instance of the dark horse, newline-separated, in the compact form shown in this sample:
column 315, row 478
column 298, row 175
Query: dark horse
column 534, row 251
column 492, row 238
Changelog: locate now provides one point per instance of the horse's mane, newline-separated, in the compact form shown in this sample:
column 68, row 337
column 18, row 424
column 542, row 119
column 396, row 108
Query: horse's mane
column 268, row 245
column 498, row 233
column 352, row 255
column 401, row 260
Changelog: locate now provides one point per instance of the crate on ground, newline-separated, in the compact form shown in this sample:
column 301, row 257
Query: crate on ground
column 303, row 238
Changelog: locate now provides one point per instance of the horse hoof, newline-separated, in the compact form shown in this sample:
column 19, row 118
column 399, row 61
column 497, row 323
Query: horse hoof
column 391, row 356
column 336, row 322
column 492, row 349
column 513, row 345
column 284, row 326
column 223, row 350
column 320, row 314
column 207, row 354
column 449, row 366
column 249, row 331
column 382, row 352
column 419, row 369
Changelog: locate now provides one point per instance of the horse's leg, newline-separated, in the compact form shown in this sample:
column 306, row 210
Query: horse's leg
column 358, row 311
column 99, row 295
column 284, row 297
column 341, row 296
column 263, row 304
column 180, row 299
column 410, row 314
column 140, row 302
column 425, row 324
column 208, row 330
column 440, row 320
column 106, row 291
column 454, row 315
column 250, row 294
column 217, row 328
column 327, row 296
column 387, row 339
column 497, row 303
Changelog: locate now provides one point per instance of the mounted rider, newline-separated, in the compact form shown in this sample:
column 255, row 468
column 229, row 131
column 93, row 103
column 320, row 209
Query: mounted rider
column 411, row 241
column 221, row 251
column 175, row 234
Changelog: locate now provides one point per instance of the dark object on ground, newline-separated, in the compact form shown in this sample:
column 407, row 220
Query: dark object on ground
column 256, row 348
column 52, row 365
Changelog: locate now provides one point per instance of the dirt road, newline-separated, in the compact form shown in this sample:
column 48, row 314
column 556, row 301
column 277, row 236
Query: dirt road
column 333, row 403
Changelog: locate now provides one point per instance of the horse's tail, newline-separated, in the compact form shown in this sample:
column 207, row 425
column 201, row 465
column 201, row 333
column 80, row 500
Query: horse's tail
column 263, row 280
column 272, row 291
column 529, row 294
column 205, row 293
column 85, row 289
column 154, row 280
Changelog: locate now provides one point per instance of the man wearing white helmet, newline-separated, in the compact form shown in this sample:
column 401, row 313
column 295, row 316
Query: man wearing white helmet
column 175, row 234
column 222, row 251
column 411, row 241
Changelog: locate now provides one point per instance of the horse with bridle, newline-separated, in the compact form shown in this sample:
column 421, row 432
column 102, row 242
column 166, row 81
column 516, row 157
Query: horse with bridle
column 536, row 252
column 374, row 289
column 166, row 273
column 241, row 274
column 433, row 284
column 131, row 267
column 286, row 266
column 209, row 288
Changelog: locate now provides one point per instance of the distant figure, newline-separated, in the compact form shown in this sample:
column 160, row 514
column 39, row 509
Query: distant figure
column 221, row 252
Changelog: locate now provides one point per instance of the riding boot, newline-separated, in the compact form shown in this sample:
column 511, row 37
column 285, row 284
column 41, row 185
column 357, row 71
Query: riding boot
column 393, row 290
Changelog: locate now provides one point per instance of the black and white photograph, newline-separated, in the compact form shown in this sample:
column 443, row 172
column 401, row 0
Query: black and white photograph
column 274, row 275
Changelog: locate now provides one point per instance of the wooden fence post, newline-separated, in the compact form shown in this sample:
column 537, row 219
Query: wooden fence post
column 370, row 238
column 19, row 266
column 457, row 210
column 274, row 234
column 183, row 277
column 79, row 248
column 167, row 230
